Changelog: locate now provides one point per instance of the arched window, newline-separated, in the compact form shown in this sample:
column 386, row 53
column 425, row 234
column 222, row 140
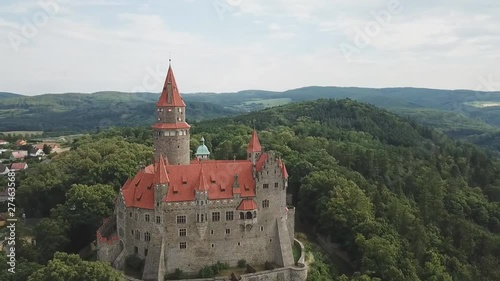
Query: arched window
column 147, row 236
column 137, row 235
column 242, row 216
column 249, row 215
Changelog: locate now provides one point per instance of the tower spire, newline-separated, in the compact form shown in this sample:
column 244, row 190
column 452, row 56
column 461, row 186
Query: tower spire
column 171, row 132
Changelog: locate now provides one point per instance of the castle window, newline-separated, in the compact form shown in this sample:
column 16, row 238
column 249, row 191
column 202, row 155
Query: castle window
column 182, row 232
column 145, row 252
column 254, row 214
column 136, row 250
column 266, row 185
column 137, row 235
column 265, row 204
column 158, row 219
column 239, row 243
column 213, row 245
column 228, row 231
column 182, row 245
column 229, row 215
column 212, row 232
column 181, row 219
column 242, row 216
column 276, row 184
column 147, row 236
column 216, row 216
column 180, row 110
column 130, row 214
column 132, row 231
column 146, row 217
column 249, row 215
column 261, row 228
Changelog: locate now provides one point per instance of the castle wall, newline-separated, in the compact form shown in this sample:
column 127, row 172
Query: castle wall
column 134, row 220
column 206, row 246
column 270, row 186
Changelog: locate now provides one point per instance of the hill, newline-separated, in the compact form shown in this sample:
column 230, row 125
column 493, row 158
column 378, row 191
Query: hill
column 462, row 114
column 401, row 200
column 75, row 112
column 5, row 95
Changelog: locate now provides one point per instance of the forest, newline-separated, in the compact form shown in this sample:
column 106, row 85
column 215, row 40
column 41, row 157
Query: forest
column 403, row 200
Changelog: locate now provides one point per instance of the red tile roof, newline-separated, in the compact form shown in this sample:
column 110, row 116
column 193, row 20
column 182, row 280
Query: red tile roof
column 185, row 178
column 161, row 176
column 202, row 182
column 218, row 177
column 180, row 125
column 282, row 166
column 254, row 145
column 139, row 192
column 170, row 95
column 261, row 162
column 247, row 205
column 18, row 166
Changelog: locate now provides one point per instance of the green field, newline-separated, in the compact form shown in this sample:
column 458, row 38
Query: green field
column 483, row 104
column 24, row 133
column 268, row 102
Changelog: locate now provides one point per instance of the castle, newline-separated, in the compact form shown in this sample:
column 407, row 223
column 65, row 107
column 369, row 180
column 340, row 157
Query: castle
column 187, row 214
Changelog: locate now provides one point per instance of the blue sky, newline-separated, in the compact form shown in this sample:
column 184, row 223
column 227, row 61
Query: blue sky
column 55, row 46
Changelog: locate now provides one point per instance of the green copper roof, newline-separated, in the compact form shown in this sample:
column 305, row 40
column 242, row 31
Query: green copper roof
column 202, row 149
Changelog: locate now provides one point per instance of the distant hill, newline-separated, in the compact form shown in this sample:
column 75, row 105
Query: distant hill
column 74, row 112
column 463, row 114
column 5, row 95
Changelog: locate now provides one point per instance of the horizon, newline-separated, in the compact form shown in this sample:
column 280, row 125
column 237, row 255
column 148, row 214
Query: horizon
column 247, row 90
column 235, row 45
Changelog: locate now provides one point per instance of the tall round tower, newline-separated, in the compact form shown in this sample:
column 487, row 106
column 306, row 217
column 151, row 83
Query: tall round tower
column 171, row 132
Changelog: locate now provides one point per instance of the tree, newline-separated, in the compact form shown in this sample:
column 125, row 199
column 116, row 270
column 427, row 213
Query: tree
column 51, row 235
column 70, row 267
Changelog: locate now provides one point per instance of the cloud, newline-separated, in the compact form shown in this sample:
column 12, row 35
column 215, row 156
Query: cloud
column 113, row 45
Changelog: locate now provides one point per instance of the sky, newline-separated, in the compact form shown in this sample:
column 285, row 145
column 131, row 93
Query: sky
column 57, row 46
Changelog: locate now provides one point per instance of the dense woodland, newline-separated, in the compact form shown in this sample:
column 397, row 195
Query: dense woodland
column 404, row 201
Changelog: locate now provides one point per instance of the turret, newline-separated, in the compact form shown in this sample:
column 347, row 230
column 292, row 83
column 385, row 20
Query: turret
column 254, row 149
column 161, row 181
column 202, row 153
column 201, row 198
column 171, row 132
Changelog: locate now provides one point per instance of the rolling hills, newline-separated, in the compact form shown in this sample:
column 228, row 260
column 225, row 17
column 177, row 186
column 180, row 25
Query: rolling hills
column 462, row 114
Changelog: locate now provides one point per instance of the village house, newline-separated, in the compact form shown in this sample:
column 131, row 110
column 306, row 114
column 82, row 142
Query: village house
column 18, row 155
column 18, row 166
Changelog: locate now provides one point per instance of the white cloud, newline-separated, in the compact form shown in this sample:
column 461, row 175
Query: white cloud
column 274, row 45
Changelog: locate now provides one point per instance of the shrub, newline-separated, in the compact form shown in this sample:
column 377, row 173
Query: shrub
column 178, row 274
column 207, row 272
column 242, row 263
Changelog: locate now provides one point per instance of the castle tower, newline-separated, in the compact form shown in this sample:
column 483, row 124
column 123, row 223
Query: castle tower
column 254, row 148
column 171, row 132
column 202, row 153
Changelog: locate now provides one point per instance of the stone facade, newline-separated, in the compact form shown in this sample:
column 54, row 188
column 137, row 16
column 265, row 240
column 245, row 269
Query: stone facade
column 173, row 218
